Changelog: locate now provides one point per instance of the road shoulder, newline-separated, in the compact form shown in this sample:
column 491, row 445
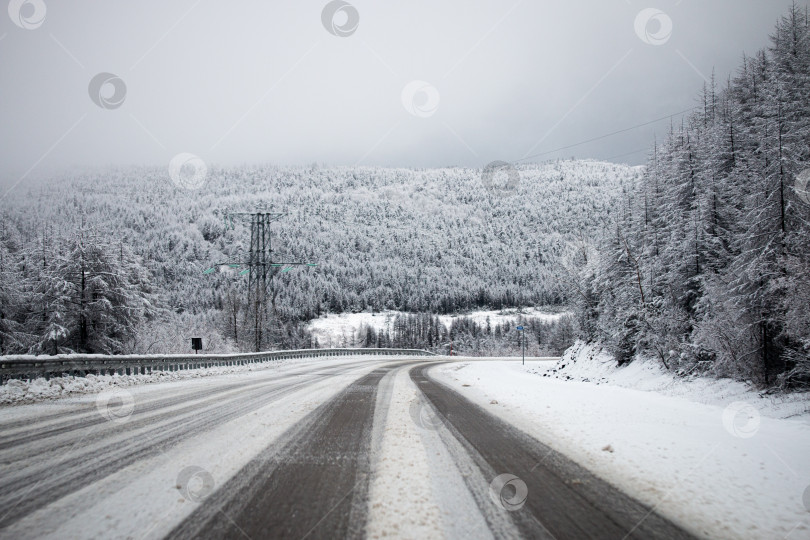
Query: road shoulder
column 669, row 453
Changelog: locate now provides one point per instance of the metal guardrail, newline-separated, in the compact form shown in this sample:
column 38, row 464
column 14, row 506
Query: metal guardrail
column 29, row 367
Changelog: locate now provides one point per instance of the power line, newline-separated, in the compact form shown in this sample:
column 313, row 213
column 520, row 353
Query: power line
column 605, row 136
column 627, row 154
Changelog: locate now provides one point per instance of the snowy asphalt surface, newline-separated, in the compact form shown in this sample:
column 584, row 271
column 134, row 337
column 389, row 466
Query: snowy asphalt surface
column 307, row 451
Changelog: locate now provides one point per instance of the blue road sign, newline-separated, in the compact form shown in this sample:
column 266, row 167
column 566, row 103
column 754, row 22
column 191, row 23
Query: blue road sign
column 520, row 328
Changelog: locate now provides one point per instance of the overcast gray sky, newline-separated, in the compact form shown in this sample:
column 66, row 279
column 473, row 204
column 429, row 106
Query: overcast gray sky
column 265, row 81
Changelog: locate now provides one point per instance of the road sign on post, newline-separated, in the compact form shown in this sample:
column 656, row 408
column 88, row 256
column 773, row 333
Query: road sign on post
column 196, row 344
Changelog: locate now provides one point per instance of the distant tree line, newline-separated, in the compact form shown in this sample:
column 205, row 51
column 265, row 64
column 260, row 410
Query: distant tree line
column 468, row 337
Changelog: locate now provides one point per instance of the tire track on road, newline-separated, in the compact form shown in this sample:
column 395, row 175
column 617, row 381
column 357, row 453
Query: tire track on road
column 86, row 415
column 31, row 488
column 564, row 499
column 312, row 485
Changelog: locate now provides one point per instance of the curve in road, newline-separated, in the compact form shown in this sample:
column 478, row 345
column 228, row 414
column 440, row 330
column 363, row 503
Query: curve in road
column 315, row 478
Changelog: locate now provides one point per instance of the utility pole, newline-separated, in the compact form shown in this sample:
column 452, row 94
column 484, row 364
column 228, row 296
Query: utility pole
column 259, row 266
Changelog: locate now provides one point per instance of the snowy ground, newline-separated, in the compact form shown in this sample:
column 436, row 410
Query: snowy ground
column 712, row 456
column 341, row 330
column 586, row 363
column 416, row 475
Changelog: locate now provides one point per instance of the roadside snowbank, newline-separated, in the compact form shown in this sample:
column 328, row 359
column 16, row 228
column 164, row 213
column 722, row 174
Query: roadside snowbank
column 17, row 391
column 698, row 452
column 589, row 363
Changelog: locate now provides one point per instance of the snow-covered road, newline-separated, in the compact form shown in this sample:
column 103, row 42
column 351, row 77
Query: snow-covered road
column 338, row 447
column 135, row 462
column 713, row 456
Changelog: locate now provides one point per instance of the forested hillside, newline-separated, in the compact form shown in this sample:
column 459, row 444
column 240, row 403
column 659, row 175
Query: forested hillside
column 114, row 261
column 708, row 268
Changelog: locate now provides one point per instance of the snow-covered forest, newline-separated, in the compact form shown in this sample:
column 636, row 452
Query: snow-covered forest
column 114, row 261
column 700, row 259
column 708, row 266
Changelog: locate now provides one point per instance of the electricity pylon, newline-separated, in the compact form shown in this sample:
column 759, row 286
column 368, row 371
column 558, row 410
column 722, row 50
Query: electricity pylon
column 259, row 266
